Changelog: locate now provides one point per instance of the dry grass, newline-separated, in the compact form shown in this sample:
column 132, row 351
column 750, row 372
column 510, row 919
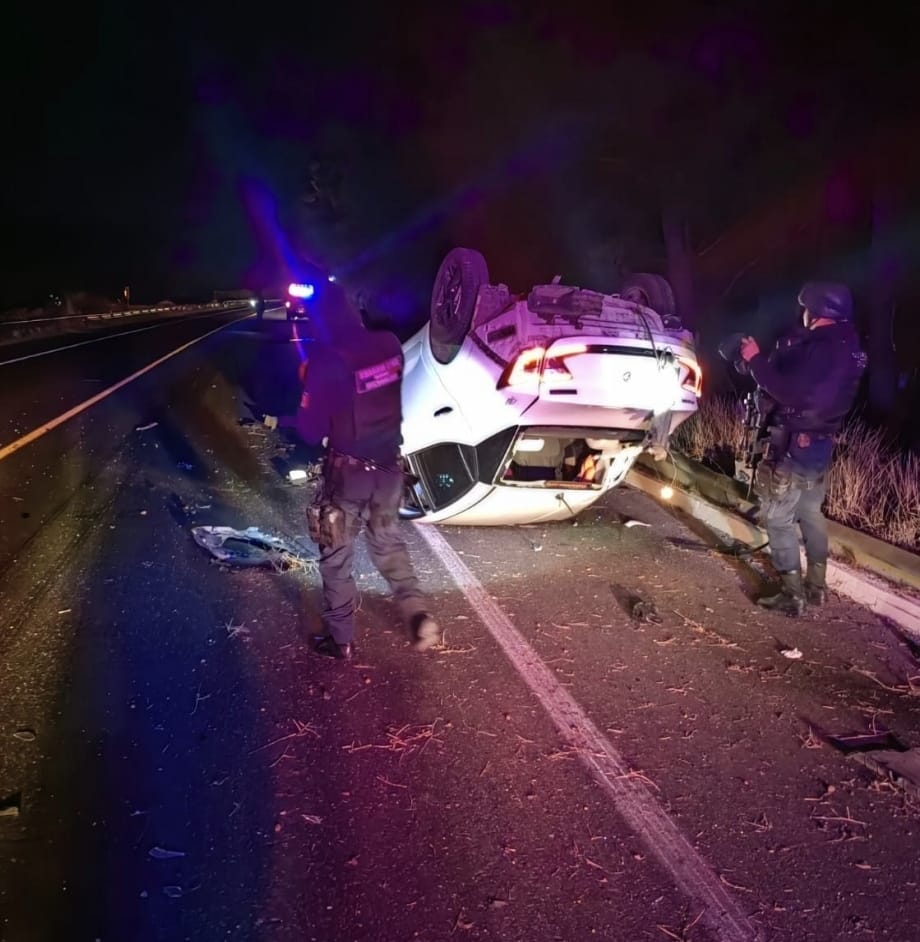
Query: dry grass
column 408, row 740
column 872, row 487
column 717, row 425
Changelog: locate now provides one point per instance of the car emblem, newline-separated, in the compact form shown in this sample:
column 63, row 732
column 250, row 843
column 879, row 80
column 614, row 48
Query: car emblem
column 627, row 376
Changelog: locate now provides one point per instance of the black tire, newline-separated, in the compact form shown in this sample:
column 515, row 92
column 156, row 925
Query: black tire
column 652, row 291
column 453, row 300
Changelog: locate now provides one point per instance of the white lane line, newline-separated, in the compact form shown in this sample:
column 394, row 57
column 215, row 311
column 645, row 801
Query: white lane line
column 37, row 433
column 123, row 333
column 634, row 801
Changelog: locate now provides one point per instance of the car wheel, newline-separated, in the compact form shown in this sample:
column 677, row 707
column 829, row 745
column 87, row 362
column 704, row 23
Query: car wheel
column 652, row 291
column 453, row 300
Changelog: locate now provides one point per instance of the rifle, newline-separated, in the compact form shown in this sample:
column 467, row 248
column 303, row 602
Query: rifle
column 755, row 437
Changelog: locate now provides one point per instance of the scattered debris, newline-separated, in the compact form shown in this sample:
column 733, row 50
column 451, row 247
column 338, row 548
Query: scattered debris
column 636, row 523
column 147, row 427
column 794, row 654
column 681, row 933
column 297, row 476
column 252, row 547
column 900, row 768
column 867, row 742
column 234, row 631
column 643, row 610
column 11, row 805
column 882, row 752
column 634, row 605
column 25, row 734
column 810, row 741
column 184, row 465
column 462, row 922
column 909, row 688
column 161, row 853
column 199, row 699
column 173, row 892
column 300, row 729
column 407, row 740
column 65, row 611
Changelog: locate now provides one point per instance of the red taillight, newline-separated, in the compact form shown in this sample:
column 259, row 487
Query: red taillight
column 535, row 362
column 527, row 363
column 554, row 366
column 693, row 376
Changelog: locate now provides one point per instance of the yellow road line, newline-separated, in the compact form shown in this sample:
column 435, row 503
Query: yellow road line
column 83, row 343
column 37, row 433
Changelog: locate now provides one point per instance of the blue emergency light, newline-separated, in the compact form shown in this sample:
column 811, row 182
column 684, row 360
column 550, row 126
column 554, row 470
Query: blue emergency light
column 300, row 291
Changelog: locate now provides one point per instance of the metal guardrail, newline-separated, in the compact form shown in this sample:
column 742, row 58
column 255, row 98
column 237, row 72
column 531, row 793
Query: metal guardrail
column 886, row 560
column 858, row 567
column 211, row 305
column 105, row 316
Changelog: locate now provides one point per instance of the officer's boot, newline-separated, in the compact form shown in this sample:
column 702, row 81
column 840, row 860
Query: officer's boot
column 790, row 600
column 816, row 583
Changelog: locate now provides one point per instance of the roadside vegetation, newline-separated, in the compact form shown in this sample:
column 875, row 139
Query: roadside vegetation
column 872, row 487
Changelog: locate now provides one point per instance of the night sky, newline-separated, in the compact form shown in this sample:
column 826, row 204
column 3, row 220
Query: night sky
column 172, row 148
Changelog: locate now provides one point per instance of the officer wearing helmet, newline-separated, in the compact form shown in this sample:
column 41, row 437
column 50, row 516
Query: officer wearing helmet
column 811, row 379
column 351, row 404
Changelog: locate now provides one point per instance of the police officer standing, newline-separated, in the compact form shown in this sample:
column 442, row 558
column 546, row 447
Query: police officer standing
column 812, row 381
column 351, row 403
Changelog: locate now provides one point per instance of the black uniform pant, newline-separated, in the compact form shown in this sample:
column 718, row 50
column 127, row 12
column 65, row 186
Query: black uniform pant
column 791, row 502
column 369, row 499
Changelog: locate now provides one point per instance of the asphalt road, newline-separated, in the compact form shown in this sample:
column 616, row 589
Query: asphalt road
column 176, row 763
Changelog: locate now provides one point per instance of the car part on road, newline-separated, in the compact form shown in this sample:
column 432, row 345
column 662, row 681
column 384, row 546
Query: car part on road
column 10, row 805
column 638, row 608
column 252, row 547
column 898, row 766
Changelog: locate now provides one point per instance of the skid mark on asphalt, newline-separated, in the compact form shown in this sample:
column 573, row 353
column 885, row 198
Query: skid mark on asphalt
column 635, row 803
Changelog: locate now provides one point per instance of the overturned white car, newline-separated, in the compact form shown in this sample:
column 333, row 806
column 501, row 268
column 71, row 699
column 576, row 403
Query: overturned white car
column 528, row 409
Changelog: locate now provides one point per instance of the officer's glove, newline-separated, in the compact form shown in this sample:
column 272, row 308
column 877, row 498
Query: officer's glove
column 270, row 421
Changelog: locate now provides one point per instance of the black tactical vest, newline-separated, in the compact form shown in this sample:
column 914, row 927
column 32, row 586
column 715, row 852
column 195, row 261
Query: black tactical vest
column 367, row 423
